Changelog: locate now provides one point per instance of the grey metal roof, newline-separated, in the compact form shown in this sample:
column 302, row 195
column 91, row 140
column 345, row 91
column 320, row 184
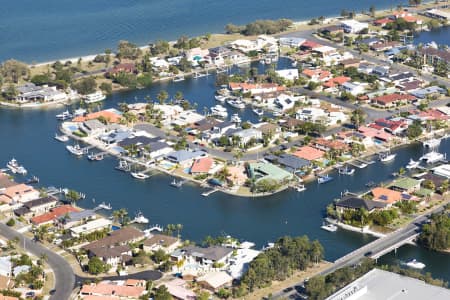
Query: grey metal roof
column 80, row 215
column 213, row 253
column 357, row 203
column 40, row 201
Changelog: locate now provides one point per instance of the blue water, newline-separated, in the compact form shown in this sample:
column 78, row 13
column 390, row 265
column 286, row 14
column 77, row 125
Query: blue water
column 36, row 31
column 441, row 36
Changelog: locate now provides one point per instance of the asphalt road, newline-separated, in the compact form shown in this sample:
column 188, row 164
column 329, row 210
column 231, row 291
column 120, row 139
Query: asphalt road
column 64, row 276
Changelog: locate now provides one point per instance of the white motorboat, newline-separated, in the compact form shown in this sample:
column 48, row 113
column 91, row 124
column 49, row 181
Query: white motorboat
column 415, row 264
column 75, row 150
column 258, row 111
column 300, row 188
column 178, row 78
column 62, row 138
column 123, row 166
column 413, row 164
column 95, row 157
column 219, row 111
column 79, row 112
column 236, row 103
column 104, row 206
column 347, row 171
column 324, row 179
column 140, row 219
column 176, row 183
column 65, row 115
column 139, row 175
column 432, row 157
column 220, row 98
column 15, row 167
column 432, row 143
column 329, row 227
column 94, row 97
column 387, row 157
column 235, row 118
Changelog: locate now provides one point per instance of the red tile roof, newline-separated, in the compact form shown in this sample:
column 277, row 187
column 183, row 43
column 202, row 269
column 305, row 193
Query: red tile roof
column 202, row 165
column 386, row 99
column 322, row 74
column 309, row 153
column 53, row 214
column 331, row 144
column 383, row 21
column 340, row 80
column 107, row 289
column 108, row 115
column 311, row 45
column 386, row 195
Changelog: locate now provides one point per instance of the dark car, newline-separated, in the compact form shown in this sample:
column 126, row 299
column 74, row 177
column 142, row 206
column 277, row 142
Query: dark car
column 367, row 254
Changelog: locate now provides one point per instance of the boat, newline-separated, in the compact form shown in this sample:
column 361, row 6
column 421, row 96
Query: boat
column 300, row 188
column 294, row 64
column 104, row 206
column 94, row 97
column 329, row 227
column 415, row 264
column 178, row 78
column 432, row 143
column 15, row 167
column 123, row 166
column 219, row 111
column 432, row 157
column 347, row 171
column 387, row 157
column 324, row 178
column 75, row 150
column 95, row 157
column 258, row 111
column 139, row 175
column 223, row 92
column 62, row 138
column 65, row 115
column 176, row 183
column 235, row 118
column 32, row 180
column 413, row 164
column 140, row 219
column 220, row 98
column 236, row 103
column 79, row 112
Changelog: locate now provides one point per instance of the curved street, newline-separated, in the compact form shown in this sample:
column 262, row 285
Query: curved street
column 64, row 276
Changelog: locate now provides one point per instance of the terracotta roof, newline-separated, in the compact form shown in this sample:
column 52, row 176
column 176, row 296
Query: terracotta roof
column 311, row 45
column 385, row 99
column 160, row 239
column 340, row 80
column 18, row 189
column 202, row 165
column 332, row 144
column 5, row 181
column 383, row 21
column 135, row 282
column 386, row 195
column 318, row 72
column 112, row 289
column 109, row 115
column 94, row 297
column 375, row 133
column 309, row 153
column 53, row 214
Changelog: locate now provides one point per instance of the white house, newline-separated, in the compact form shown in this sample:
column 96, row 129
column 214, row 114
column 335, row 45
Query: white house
column 353, row 26
column 285, row 102
column 288, row 74
column 292, row 42
column 354, row 88
column 246, row 135
column 244, row 45
column 336, row 117
column 91, row 226
column 159, row 64
column 311, row 114
column 30, row 92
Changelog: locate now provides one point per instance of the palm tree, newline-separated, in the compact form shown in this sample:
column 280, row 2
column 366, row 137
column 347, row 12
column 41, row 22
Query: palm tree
column 179, row 95
column 162, row 96
column 123, row 107
column 179, row 227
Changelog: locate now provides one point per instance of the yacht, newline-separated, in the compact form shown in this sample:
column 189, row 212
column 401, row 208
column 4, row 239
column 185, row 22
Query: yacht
column 415, row 264
column 75, row 150
column 387, row 157
column 329, row 227
column 123, row 166
column 413, row 164
column 176, row 183
column 236, row 103
column 178, row 78
column 140, row 219
column 104, row 206
column 258, row 111
column 62, row 138
column 235, row 118
column 15, row 167
column 300, row 188
column 79, row 112
column 220, row 98
column 94, row 97
column 432, row 143
column 219, row 111
column 139, row 175
column 324, row 178
column 347, row 171
column 64, row 116
column 432, row 157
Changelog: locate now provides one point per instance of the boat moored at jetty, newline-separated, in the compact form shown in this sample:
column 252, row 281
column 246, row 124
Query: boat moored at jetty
column 140, row 219
column 300, row 188
column 15, row 167
column 95, row 157
column 219, row 111
column 236, row 103
column 329, row 227
column 94, row 97
column 431, row 143
column 346, row 171
column 139, row 175
column 79, row 112
column 413, row 164
column 123, row 166
column 235, row 118
column 415, row 264
column 387, row 157
column 432, row 157
column 258, row 111
column 324, row 178
column 65, row 115
column 62, row 138
column 75, row 150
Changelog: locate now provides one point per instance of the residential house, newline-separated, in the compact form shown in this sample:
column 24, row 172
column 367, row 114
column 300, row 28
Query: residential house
column 330, row 145
column 260, row 171
column 353, row 26
column 185, row 157
column 245, row 136
column 54, row 214
column 163, row 242
column 431, row 91
column 442, row 171
column 5, row 266
column 312, row 114
column 391, row 100
column 269, row 130
column 121, row 68
column 75, row 218
column 395, row 127
column 90, row 226
column 288, row 74
column 317, row 75
column 375, row 134
column 159, row 64
column 214, row 281
column 92, row 127
column 255, row 88
column 309, row 153
column 202, row 166
column 285, row 102
column 290, row 124
column 355, row 88
column 293, row 42
column 382, row 22
column 37, row 206
column 350, row 63
column 112, row 290
column 29, row 92
column 123, row 236
column 331, row 30
column 336, row 81
column 179, row 290
column 385, row 195
column 290, row 162
column 110, row 115
column 19, row 193
column 384, row 46
column 405, row 184
column 113, row 256
column 356, row 203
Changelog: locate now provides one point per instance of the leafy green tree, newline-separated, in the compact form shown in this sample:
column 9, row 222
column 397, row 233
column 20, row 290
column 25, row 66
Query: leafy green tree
column 162, row 96
column 106, row 87
column 11, row 222
column 13, row 70
column 162, row 293
column 358, row 117
column 436, row 235
column 85, row 85
column 414, row 130
column 96, row 266
column 128, row 50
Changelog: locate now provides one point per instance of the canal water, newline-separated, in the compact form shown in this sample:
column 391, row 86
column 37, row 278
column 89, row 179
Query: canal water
column 28, row 136
column 37, row 31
